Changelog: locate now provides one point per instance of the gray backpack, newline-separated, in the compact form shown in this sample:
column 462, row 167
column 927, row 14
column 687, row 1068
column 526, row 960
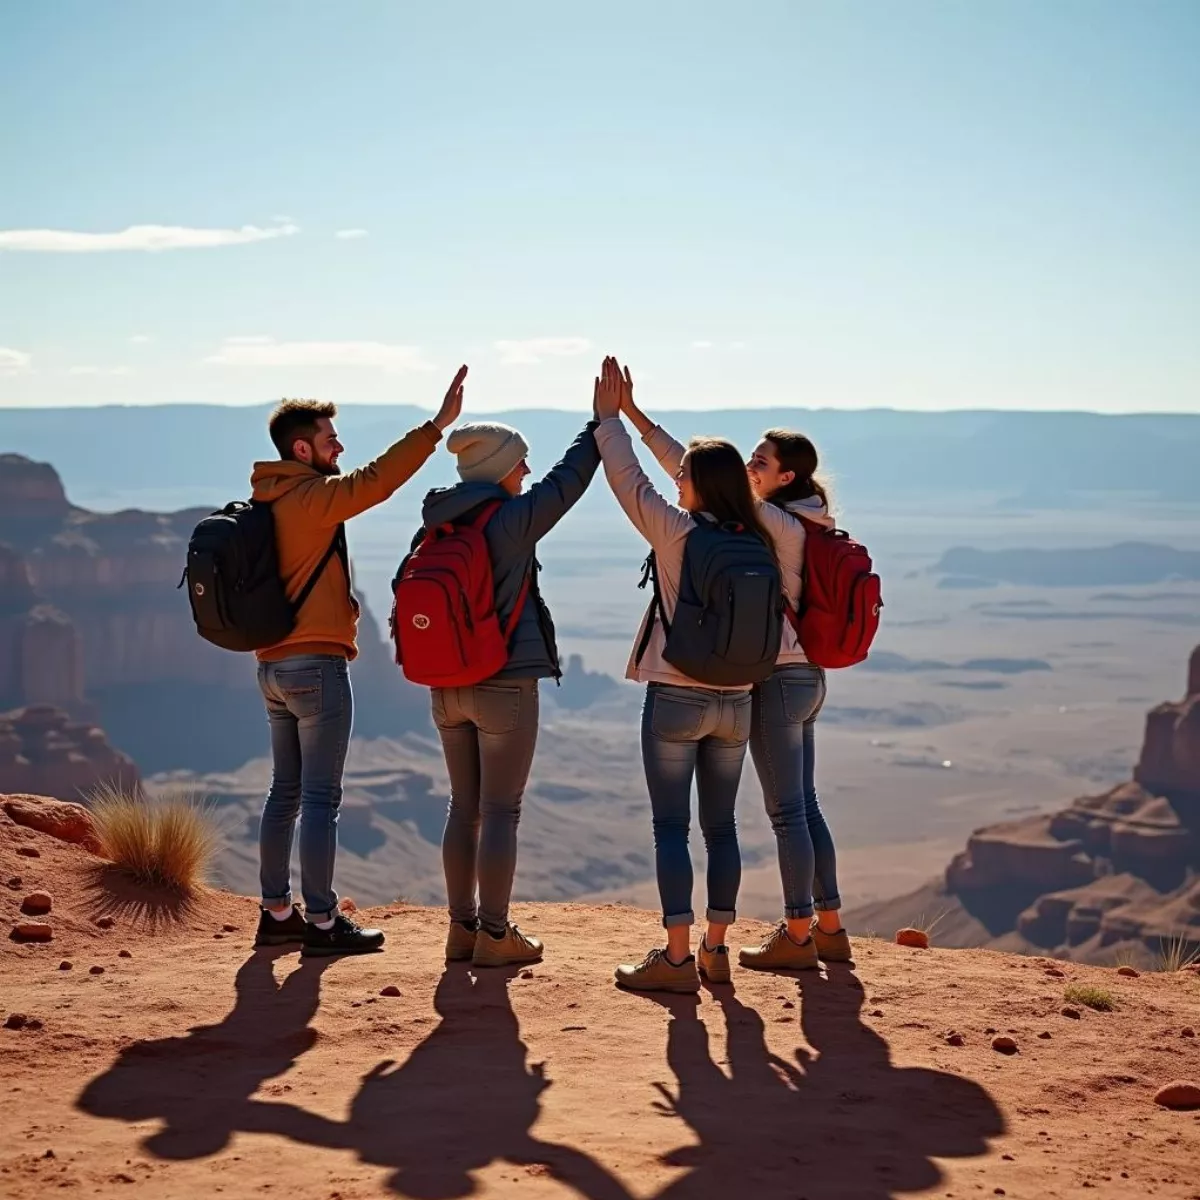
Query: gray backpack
column 729, row 617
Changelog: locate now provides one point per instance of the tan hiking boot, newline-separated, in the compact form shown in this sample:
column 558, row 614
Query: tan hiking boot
column 656, row 974
column 714, row 963
column 832, row 947
column 460, row 942
column 513, row 949
column 779, row 953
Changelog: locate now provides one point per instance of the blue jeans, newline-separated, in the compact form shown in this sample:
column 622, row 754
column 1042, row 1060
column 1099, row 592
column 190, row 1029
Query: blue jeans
column 695, row 733
column 310, row 709
column 782, row 746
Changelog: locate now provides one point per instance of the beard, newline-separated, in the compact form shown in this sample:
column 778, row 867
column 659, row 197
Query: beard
column 327, row 468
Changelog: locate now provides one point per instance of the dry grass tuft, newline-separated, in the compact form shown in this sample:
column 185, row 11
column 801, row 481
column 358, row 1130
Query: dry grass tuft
column 1177, row 953
column 168, row 842
column 1090, row 997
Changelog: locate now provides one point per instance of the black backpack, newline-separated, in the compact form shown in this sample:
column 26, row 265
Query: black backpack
column 237, row 596
column 729, row 616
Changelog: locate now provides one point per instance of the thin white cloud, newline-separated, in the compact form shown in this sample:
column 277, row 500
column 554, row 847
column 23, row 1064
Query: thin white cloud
column 150, row 238
column 702, row 344
column 266, row 352
column 87, row 370
column 533, row 350
column 140, row 339
column 14, row 362
column 347, row 235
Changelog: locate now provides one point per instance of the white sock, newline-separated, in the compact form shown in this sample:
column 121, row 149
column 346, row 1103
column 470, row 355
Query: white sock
column 282, row 914
column 324, row 925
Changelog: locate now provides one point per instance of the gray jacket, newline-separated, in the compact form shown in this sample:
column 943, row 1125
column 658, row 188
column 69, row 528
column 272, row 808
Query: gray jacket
column 512, row 536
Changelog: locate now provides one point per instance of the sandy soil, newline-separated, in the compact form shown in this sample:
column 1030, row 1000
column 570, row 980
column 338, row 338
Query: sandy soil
column 199, row 1067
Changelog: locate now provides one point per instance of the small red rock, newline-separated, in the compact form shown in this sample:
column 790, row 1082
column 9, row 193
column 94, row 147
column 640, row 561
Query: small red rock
column 527, row 974
column 227, row 928
column 788, row 1004
column 1073, row 1013
column 1179, row 1095
column 33, row 1023
column 218, row 936
column 390, row 990
column 65, row 965
column 1004, row 1045
column 955, row 1039
column 1045, row 1036
column 1055, row 973
column 14, row 882
column 97, row 970
column 29, row 851
column 1128, row 972
column 104, row 922
column 16, row 1021
column 1187, row 1031
column 37, row 904
column 32, row 931
column 347, row 905
column 124, row 954
column 917, row 938
column 877, row 1012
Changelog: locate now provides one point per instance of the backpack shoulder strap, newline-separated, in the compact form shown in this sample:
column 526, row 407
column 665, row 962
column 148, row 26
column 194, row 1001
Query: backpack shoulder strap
column 650, row 575
column 337, row 546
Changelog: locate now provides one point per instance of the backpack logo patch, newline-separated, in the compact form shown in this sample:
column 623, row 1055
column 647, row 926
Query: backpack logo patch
column 420, row 621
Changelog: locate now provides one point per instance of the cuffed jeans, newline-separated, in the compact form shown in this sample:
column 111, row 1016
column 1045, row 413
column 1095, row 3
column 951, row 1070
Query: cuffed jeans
column 489, row 732
column 311, row 710
column 782, row 746
column 695, row 733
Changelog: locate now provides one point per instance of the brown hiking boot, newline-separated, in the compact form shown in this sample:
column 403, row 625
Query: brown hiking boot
column 779, row 953
column 714, row 963
column 460, row 942
column 832, row 947
column 511, row 950
column 656, row 974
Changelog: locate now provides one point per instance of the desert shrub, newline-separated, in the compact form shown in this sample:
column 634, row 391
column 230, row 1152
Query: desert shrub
column 1178, row 952
column 1090, row 997
column 166, row 842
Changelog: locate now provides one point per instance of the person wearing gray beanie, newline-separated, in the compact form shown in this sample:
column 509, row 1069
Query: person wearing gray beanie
column 486, row 451
column 489, row 730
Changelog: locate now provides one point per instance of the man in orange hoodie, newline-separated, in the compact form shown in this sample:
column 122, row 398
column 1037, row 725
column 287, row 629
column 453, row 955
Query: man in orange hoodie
column 305, row 678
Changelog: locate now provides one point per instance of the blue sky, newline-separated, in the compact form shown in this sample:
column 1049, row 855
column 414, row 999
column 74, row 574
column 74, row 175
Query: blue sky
column 917, row 205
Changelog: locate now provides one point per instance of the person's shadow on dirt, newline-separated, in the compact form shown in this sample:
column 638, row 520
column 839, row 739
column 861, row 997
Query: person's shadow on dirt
column 841, row 1123
column 199, row 1084
column 465, row 1098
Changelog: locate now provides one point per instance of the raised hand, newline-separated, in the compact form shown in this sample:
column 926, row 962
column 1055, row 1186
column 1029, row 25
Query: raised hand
column 606, row 397
column 452, row 404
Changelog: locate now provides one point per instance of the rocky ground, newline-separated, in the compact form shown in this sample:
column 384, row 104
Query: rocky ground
column 147, row 1043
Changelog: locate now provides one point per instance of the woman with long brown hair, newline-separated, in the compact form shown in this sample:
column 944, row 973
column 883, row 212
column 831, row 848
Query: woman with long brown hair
column 784, row 479
column 691, row 730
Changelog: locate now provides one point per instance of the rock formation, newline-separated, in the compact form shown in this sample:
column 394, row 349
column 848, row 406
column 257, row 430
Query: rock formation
column 43, row 752
column 1109, row 871
column 91, row 621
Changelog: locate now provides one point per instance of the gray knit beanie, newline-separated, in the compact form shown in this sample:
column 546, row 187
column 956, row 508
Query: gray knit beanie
column 486, row 451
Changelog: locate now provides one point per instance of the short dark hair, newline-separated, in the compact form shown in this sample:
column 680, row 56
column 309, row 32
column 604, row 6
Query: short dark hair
column 294, row 419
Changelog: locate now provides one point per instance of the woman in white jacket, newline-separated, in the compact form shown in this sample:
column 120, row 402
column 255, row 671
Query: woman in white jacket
column 783, row 477
column 690, row 731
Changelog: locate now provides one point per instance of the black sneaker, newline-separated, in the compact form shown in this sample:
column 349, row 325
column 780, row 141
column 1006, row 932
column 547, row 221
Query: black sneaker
column 280, row 933
column 343, row 937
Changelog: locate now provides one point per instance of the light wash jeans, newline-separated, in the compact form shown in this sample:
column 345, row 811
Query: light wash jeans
column 489, row 732
column 782, row 746
column 311, row 710
column 695, row 733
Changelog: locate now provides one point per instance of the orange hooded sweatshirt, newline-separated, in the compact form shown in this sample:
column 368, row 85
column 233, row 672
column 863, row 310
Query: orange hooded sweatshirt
column 308, row 507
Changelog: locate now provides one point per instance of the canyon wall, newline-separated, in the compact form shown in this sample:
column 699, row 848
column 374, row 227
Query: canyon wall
column 91, row 620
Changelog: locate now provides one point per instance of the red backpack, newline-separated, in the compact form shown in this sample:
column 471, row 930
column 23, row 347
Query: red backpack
column 444, row 621
column 839, row 607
